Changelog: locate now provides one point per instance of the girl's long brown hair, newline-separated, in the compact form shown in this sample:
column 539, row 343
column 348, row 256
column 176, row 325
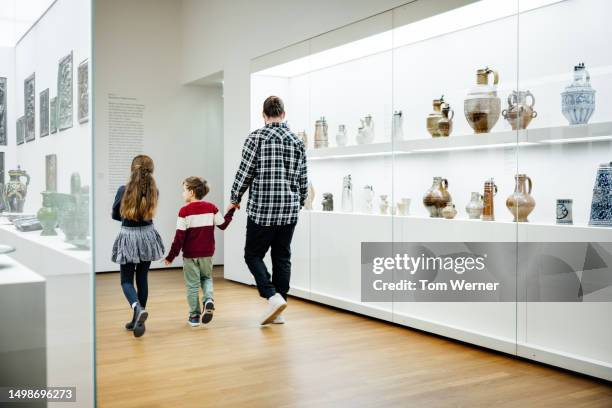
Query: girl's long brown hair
column 139, row 200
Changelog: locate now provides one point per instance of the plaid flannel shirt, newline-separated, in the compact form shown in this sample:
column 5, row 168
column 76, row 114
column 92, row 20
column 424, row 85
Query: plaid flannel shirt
column 273, row 168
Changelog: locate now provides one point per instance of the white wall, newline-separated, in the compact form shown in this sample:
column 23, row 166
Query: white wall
column 65, row 27
column 137, row 54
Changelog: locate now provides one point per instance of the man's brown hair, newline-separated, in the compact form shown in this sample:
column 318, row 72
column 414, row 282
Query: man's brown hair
column 197, row 185
column 273, row 107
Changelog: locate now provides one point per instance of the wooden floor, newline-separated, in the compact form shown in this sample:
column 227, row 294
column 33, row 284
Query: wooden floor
column 322, row 357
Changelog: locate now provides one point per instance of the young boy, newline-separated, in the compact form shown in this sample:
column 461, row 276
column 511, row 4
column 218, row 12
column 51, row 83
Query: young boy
column 195, row 236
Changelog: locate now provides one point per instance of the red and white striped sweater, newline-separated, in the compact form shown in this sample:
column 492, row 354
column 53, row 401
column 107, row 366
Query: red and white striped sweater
column 195, row 230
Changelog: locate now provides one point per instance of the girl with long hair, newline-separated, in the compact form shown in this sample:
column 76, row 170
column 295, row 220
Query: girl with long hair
column 138, row 243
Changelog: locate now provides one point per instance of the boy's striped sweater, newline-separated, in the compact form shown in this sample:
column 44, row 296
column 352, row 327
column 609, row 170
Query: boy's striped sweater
column 195, row 230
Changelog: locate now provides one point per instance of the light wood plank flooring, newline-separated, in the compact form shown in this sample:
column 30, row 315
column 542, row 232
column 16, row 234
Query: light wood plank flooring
column 322, row 357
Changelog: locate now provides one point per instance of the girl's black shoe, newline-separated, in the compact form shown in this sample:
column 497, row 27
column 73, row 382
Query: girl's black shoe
column 140, row 315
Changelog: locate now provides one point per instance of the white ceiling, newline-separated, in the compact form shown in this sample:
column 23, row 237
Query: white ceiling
column 17, row 16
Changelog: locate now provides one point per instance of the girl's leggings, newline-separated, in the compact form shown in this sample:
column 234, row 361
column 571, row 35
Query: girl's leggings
column 128, row 271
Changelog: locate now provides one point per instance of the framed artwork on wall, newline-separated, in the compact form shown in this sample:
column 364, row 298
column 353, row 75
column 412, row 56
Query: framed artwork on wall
column 29, row 86
column 20, row 130
column 83, row 91
column 44, row 113
column 3, row 119
column 64, row 93
column 53, row 114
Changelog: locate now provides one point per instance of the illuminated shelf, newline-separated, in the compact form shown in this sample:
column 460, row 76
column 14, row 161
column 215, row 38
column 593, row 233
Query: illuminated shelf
column 345, row 152
column 590, row 133
column 465, row 227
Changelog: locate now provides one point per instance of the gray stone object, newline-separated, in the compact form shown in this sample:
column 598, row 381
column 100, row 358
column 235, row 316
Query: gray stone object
column 51, row 172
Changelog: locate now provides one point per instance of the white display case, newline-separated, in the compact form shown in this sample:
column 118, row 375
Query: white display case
column 402, row 60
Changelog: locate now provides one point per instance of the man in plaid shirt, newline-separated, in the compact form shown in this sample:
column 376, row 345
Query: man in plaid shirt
column 273, row 168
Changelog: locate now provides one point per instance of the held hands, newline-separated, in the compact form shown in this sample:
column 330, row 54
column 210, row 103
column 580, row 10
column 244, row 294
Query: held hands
column 233, row 205
column 167, row 262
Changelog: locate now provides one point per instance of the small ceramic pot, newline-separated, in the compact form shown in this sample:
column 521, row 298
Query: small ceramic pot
column 449, row 212
column 564, row 211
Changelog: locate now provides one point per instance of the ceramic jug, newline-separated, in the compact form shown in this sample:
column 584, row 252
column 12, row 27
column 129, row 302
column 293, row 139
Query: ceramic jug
column 328, row 202
column 488, row 208
column 482, row 106
column 475, row 206
column 16, row 190
column 434, row 117
column 445, row 124
column 368, row 123
column 303, row 137
column 368, row 199
column 521, row 203
column 601, row 203
column 320, row 137
column 397, row 129
column 403, row 206
column 437, row 197
column 47, row 215
column 310, row 197
column 519, row 112
column 578, row 99
column 341, row 136
column 449, row 212
column 347, row 194
column 365, row 133
column 384, row 204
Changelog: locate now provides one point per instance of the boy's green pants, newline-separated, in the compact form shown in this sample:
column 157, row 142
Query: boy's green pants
column 198, row 273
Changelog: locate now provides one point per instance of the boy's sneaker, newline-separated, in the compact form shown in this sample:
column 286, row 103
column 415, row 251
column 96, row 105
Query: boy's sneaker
column 276, row 305
column 207, row 311
column 279, row 320
column 194, row 321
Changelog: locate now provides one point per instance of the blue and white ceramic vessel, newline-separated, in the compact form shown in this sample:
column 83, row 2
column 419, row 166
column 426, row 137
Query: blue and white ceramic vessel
column 601, row 206
column 578, row 99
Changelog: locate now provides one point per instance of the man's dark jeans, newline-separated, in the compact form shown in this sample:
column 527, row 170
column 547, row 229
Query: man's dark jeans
column 258, row 240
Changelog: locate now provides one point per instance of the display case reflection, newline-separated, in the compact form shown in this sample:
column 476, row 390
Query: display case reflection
column 67, row 212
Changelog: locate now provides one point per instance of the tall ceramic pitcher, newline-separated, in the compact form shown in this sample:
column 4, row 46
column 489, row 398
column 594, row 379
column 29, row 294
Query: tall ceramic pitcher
column 16, row 190
column 482, row 106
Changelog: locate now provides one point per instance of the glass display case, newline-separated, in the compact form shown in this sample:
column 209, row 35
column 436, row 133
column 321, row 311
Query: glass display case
column 456, row 121
column 45, row 206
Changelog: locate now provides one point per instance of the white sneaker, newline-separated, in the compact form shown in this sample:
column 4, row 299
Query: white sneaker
column 279, row 320
column 276, row 305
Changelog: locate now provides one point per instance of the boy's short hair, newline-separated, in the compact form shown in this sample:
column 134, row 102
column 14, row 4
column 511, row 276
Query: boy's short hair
column 198, row 185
